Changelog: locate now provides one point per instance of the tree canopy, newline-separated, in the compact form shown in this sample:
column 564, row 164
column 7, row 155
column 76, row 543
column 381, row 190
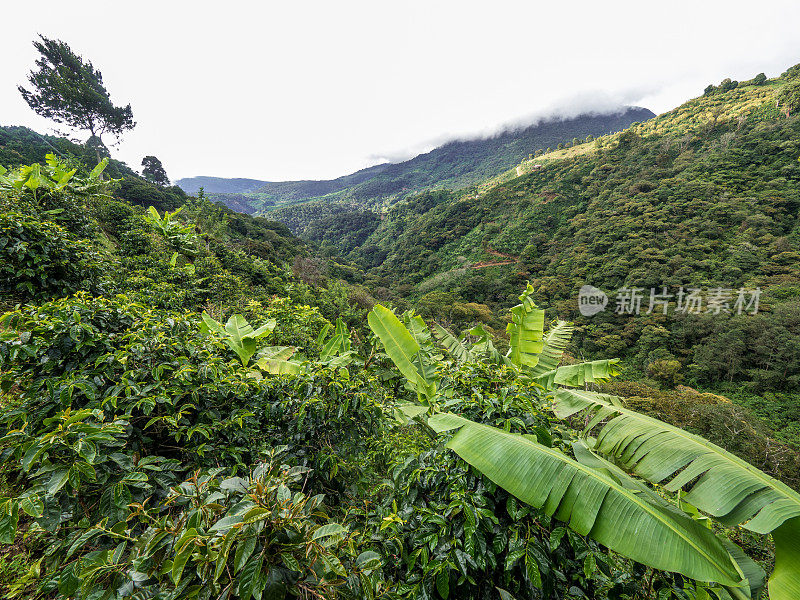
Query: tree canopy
column 69, row 90
column 154, row 171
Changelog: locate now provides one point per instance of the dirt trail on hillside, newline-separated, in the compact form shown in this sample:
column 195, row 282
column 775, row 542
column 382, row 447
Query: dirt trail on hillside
column 511, row 259
column 482, row 265
column 492, row 251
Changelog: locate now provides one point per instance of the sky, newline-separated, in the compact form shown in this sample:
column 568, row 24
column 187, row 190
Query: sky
column 313, row 90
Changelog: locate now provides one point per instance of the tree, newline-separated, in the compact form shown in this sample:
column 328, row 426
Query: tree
column 154, row 171
column 759, row 79
column 69, row 90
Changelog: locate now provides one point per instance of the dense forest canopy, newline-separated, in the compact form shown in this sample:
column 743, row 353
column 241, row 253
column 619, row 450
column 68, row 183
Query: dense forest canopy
column 409, row 403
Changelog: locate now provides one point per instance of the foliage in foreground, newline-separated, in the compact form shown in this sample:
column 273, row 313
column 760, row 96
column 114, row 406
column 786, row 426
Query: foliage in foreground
column 591, row 492
column 154, row 452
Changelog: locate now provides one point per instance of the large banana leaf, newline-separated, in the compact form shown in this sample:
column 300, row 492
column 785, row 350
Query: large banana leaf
column 278, row 352
column 399, row 344
column 751, row 570
column 555, row 342
column 719, row 483
column 526, row 332
column 580, row 374
column 339, row 341
column 455, row 347
column 785, row 580
column 402, row 349
column 592, row 502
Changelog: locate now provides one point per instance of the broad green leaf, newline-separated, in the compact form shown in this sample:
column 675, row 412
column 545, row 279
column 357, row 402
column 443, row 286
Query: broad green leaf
column 526, row 332
column 397, row 341
column 412, row 410
column 244, row 548
column 328, row 530
column 718, row 483
column 224, row 550
column 452, row 344
column 211, row 323
column 250, row 578
column 57, row 480
column 595, row 504
column 725, row 487
column 277, row 366
column 8, row 526
column 443, row 583
column 784, row 584
column 32, row 505
column 368, row 561
column 554, row 343
column 402, row 349
column 276, row 352
column 101, row 166
column 580, row 374
column 180, row 561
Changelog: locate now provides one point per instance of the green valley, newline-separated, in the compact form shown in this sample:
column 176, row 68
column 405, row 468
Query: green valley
column 559, row 362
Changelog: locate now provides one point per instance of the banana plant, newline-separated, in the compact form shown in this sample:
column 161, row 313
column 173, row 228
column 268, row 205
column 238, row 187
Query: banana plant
column 456, row 347
column 55, row 175
column 240, row 337
column 533, row 352
column 336, row 351
column 592, row 496
column 181, row 236
column 405, row 352
column 600, row 503
column 717, row 482
column 275, row 360
column 238, row 334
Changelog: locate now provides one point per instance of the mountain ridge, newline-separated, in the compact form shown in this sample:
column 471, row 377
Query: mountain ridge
column 456, row 163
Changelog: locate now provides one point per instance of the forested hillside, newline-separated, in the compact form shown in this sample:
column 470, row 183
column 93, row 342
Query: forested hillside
column 703, row 196
column 455, row 164
column 195, row 403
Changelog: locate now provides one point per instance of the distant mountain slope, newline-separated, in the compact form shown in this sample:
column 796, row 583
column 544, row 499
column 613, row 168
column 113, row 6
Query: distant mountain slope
column 455, row 165
column 218, row 185
column 705, row 196
column 249, row 195
column 461, row 163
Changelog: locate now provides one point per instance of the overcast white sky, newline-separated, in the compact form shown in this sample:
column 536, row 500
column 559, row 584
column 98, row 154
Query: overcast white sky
column 291, row 90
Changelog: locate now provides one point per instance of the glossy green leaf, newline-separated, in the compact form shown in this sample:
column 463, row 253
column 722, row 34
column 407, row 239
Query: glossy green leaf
column 595, row 504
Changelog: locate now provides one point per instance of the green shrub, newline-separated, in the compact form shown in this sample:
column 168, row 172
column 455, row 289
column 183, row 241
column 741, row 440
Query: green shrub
column 40, row 260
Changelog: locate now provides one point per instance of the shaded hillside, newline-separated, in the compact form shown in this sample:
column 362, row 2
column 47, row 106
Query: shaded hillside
column 464, row 162
column 21, row 145
column 218, row 185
